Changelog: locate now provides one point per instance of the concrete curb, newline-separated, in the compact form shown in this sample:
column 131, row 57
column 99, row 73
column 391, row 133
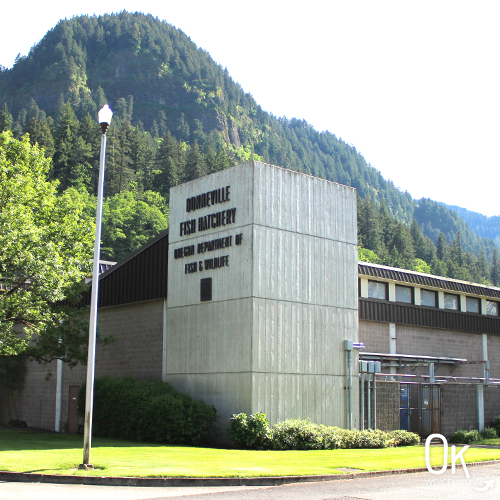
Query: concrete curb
column 24, row 477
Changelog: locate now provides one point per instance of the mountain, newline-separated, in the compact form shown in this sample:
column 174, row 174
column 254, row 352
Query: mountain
column 88, row 60
column 178, row 115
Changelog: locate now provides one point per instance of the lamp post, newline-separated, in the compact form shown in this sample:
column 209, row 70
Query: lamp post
column 105, row 115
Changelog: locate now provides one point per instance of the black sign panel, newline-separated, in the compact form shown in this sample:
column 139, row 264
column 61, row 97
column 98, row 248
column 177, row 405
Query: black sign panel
column 205, row 289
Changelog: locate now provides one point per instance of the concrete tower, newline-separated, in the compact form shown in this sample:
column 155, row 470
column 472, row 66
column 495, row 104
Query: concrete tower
column 262, row 293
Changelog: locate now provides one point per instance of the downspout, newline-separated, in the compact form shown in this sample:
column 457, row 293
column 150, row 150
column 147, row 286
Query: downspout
column 369, row 398
column 362, row 409
column 58, row 395
column 485, row 359
column 480, row 406
column 164, row 351
column 348, row 346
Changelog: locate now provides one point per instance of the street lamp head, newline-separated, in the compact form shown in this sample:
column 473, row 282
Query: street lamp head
column 104, row 116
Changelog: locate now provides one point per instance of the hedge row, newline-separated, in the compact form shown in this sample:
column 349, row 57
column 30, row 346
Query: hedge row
column 128, row 408
column 461, row 436
column 255, row 432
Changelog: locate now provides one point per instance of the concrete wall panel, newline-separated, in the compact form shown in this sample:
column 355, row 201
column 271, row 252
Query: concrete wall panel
column 229, row 282
column 304, row 204
column 301, row 268
column 228, row 394
column 212, row 337
column 300, row 338
column 240, row 197
column 320, row 398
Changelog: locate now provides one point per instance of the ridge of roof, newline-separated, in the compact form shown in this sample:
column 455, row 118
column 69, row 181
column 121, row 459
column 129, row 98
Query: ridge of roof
column 130, row 256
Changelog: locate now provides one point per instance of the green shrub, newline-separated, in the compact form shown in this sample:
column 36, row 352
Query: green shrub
column 334, row 438
column 459, row 436
column 496, row 424
column 466, row 437
column 128, row 408
column 473, row 435
column 254, row 432
column 368, row 438
column 489, row 433
column 296, row 435
column 250, row 431
column 403, row 438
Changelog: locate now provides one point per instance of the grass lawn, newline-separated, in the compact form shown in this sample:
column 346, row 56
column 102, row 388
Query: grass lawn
column 495, row 441
column 48, row 453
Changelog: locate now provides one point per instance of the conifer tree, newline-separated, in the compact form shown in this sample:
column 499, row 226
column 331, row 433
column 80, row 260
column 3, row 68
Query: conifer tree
column 418, row 240
column 402, row 242
column 142, row 155
column 90, row 132
column 195, row 164
column 368, row 225
column 222, row 160
column 456, row 250
column 120, row 173
column 495, row 268
column 39, row 132
column 65, row 138
column 166, row 165
column 483, row 267
column 5, row 119
column 386, row 224
column 441, row 248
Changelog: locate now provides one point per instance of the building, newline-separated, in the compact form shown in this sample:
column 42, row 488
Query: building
column 254, row 301
column 439, row 339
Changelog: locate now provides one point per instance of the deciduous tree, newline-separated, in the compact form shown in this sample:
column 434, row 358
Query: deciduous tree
column 45, row 251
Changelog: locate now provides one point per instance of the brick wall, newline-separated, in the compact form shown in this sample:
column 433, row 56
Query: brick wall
column 494, row 355
column 491, row 403
column 435, row 342
column 387, row 405
column 458, row 408
column 375, row 336
column 34, row 401
column 415, row 340
column 137, row 351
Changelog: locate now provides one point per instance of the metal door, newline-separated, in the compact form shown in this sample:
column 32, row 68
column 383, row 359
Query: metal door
column 72, row 409
column 431, row 414
column 419, row 409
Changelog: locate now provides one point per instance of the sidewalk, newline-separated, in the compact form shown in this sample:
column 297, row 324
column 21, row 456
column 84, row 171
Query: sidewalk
column 209, row 481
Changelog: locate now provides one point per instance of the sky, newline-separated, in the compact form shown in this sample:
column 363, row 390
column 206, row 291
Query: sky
column 412, row 85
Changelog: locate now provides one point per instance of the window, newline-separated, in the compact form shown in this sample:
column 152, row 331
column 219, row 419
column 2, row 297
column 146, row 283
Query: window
column 428, row 298
column 473, row 305
column 377, row 290
column 451, row 301
column 206, row 289
column 492, row 308
column 404, row 294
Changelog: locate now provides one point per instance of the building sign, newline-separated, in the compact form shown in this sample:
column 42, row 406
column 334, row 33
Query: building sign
column 212, row 221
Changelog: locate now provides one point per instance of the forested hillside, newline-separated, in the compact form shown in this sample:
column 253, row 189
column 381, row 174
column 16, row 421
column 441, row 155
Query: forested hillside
column 482, row 225
column 179, row 116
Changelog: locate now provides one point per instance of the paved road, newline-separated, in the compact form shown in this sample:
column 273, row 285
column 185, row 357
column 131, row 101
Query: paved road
column 484, row 483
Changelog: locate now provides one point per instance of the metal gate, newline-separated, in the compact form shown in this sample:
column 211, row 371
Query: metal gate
column 420, row 406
